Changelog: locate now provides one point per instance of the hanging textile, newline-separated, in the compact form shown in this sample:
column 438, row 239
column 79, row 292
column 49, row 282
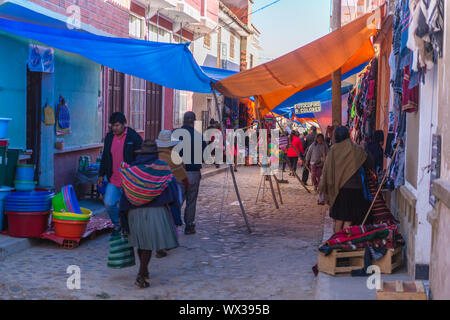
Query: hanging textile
column 63, row 118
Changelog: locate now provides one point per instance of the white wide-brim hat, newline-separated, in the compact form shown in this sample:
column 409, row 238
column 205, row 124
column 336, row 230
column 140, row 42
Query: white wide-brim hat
column 165, row 139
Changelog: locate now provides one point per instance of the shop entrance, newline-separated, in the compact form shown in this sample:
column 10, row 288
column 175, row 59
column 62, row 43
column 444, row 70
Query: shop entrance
column 34, row 92
column 153, row 110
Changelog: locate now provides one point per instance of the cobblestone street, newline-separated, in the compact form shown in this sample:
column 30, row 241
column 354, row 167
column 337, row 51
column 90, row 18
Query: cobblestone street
column 222, row 261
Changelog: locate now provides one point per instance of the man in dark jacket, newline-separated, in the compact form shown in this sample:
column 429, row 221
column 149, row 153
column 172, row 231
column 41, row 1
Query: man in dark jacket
column 190, row 194
column 310, row 139
column 120, row 146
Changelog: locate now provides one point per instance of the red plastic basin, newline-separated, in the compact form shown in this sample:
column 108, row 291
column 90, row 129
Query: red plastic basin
column 70, row 229
column 27, row 224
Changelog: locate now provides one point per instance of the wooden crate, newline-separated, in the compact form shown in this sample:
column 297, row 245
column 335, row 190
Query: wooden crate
column 391, row 261
column 400, row 290
column 341, row 262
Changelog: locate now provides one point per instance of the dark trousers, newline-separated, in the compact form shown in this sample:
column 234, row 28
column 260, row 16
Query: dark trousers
column 305, row 175
column 293, row 163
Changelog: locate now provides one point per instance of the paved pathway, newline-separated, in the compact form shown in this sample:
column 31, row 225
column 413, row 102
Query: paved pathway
column 219, row 262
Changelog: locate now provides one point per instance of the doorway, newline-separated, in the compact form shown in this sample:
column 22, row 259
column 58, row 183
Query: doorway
column 33, row 131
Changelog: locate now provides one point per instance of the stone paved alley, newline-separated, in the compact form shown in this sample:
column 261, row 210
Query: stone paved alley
column 219, row 262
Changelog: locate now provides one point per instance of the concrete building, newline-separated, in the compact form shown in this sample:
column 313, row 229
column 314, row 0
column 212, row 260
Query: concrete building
column 232, row 45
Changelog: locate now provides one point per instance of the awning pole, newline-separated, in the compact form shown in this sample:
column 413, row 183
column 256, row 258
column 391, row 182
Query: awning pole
column 336, row 77
column 236, row 188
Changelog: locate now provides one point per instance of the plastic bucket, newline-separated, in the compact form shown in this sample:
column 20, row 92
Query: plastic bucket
column 4, row 122
column 25, row 172
column 13, row 158
column 69, row 229
column 4, row 191
column 27, row 224
column 59, row 205
column 70, row 199
column 84, row 216
column 25, row 185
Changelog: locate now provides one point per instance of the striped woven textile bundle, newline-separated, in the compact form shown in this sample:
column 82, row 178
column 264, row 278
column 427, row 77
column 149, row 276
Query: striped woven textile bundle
column 380, row 211
column 144, row 183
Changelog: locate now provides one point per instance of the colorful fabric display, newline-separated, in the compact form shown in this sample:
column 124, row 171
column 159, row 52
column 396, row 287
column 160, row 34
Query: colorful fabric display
column 144, row 183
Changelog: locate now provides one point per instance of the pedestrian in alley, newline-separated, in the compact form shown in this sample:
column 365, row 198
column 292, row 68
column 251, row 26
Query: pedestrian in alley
column 310, row 139
column 165, row 145
column 295, row 151
column 119, row 146
column 151, row 224
column 315, row 159
column 344, row 182
column 193, row 170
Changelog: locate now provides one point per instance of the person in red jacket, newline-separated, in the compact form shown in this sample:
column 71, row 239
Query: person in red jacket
column 294, row 151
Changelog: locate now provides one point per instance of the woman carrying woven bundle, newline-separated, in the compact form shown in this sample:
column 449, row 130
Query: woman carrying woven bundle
column 149, row 189
column 344, row 183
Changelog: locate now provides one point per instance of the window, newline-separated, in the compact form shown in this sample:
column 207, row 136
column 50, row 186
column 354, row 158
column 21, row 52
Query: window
column 207, row 41
column 137, row 103
column 251, row 61
column 179, row 107
column 176, row 39
column 136, row 27
column 232, row 39
column 158, row 34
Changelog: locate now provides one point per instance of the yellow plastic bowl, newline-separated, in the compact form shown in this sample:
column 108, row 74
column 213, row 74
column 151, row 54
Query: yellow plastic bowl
column 86, row 213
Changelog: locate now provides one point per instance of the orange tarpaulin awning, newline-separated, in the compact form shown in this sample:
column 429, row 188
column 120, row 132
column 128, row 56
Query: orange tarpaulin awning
column 304, row 68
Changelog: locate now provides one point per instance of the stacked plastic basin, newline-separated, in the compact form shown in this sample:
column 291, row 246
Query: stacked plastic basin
column 28, row 213
column 69, row 219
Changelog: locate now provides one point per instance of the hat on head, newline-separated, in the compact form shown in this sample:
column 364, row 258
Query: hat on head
column 148, row 147
column 165, row 139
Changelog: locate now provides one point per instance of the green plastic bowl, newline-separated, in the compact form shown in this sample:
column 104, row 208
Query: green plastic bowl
column 62, row 217
column 59, row 205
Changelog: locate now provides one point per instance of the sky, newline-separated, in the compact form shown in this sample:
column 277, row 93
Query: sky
column 290, row 24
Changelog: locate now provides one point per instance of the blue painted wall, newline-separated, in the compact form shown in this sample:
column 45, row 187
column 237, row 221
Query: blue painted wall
column 78, row 81
column 75, row 78
column 13, row 86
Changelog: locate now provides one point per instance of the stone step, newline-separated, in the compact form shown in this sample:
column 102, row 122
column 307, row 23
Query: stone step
column 10, row 245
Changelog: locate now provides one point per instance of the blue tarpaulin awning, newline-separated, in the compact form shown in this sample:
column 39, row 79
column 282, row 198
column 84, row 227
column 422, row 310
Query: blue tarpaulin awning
column 169, row 65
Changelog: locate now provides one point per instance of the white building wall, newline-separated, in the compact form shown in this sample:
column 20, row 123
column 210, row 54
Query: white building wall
column 428, row 107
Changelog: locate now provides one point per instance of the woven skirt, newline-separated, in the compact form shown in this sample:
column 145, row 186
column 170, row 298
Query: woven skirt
column 152, row 229
column 350, row 205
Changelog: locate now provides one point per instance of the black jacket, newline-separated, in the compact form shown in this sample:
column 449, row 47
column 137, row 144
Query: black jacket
column 194, row 135
column 133, row 142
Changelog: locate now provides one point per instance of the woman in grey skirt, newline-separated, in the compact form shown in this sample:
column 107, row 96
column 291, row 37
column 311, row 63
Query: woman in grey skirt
column 151, row 226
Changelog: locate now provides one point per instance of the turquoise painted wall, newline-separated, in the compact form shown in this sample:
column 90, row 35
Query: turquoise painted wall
column 13, row 100
column 75, row 78
column 78, row 80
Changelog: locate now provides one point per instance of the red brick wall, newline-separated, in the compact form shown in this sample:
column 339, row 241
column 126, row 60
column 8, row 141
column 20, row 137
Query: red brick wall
column 212, row 10
column 196, row 4
column 100, row 14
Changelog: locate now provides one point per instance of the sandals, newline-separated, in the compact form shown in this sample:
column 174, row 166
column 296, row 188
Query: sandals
column 141, row 282
column 161, row 254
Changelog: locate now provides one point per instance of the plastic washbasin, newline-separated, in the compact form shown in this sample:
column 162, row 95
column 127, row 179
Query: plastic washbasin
column 25, row 185
column 25, row 172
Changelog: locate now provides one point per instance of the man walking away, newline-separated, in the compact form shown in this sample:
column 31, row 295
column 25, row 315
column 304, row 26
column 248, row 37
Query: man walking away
column 120, row 144
column 190, row 193
column 310, row 139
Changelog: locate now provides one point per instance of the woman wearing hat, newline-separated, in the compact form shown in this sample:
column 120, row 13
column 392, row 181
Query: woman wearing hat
column 165, row 145
column 149, row 189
